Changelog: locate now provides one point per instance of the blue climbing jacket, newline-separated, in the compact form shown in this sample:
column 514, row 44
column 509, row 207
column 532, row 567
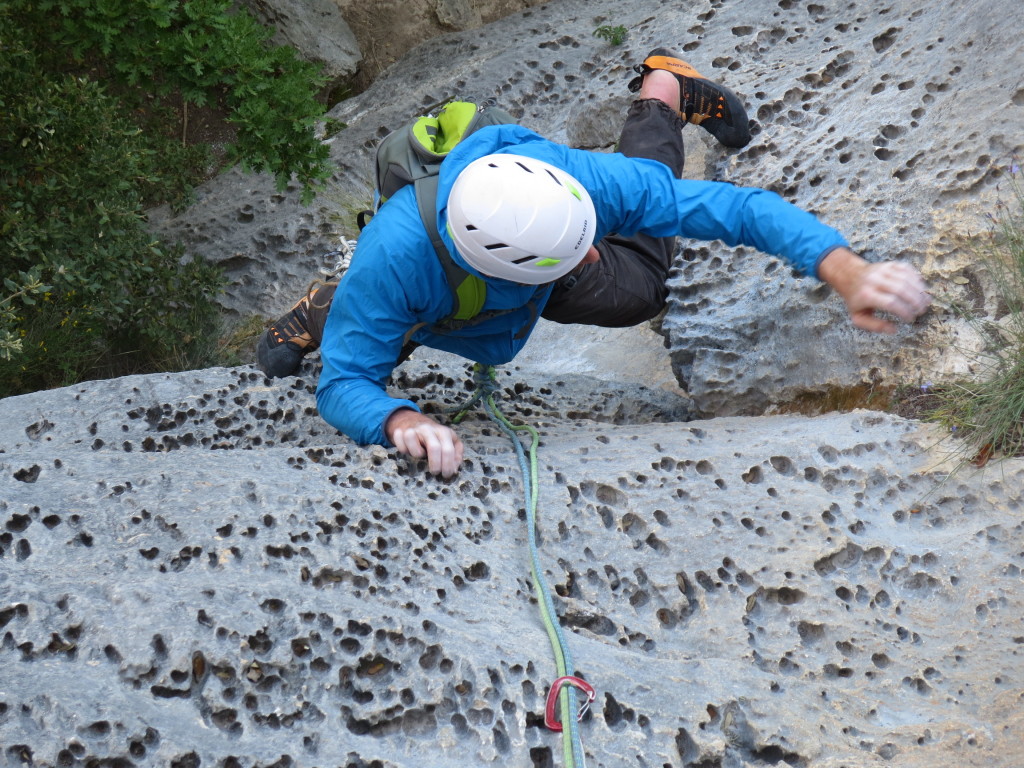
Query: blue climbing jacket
column 395, row 281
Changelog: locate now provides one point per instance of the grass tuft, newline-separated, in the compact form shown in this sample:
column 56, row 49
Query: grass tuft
column 614, row 35
column 987, row 411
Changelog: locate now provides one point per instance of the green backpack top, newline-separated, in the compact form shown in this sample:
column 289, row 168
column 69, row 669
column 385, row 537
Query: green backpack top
column 412, row 154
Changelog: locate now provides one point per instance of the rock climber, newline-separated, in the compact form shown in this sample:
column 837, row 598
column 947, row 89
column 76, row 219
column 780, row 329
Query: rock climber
column 572, row 235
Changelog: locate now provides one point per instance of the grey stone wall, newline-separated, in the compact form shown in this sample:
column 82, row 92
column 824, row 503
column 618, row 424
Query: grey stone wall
column 316, row 29
column 195, row 571
column 892, row 126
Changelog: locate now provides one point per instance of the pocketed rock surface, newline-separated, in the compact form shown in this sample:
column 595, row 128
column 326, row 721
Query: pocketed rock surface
column 896, row 124
column 196, row 571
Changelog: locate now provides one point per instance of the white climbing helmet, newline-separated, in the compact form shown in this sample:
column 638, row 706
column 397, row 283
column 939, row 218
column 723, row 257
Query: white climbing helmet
column 520, row 219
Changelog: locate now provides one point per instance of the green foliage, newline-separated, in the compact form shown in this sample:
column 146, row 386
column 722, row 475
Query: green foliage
column 204, row 52
column 988, row 411
column 332, row 126
column 75, row 172
column 615, row 35
column 92, row 97
column 24, row 288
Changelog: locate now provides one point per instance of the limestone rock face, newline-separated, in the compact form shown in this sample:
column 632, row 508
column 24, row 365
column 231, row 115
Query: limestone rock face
column 194, row 570
column 893, row 127
column 388, row 29
column 316, row 29
column 896, row 127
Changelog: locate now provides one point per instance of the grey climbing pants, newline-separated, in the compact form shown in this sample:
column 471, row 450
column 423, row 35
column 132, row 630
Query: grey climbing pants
column 627, row 285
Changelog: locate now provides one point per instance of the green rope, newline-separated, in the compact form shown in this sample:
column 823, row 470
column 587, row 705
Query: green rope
column 486, row 386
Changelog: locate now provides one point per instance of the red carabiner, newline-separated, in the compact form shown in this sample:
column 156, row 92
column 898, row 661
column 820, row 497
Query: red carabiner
column 556, row 688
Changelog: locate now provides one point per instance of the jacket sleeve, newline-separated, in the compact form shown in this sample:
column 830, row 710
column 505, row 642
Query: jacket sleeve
column 376, row 303
column 638, row 195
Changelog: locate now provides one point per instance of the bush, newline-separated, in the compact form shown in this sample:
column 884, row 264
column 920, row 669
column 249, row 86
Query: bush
column 74, row 172
column 202, row 52
column 988, row 411
column 84, row 86
column 22, row 291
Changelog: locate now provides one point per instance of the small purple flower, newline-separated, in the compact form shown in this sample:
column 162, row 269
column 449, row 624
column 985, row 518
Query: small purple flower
column 1014, row 169
column 926, row 386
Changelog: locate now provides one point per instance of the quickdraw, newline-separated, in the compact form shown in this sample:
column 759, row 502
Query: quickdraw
column 556, row 687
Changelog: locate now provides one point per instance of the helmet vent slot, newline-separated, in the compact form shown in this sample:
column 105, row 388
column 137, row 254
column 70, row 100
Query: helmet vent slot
column 508, row 221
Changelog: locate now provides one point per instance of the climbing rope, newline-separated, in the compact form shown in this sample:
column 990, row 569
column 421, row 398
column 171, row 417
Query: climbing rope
column 564, row 688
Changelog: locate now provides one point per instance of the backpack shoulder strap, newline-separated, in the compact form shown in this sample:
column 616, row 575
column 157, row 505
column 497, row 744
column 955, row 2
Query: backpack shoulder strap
column 413, row 155
column 468, row 291
column 432, row 141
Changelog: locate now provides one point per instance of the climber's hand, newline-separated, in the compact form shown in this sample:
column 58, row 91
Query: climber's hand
column 892, row 286
column 417, row 436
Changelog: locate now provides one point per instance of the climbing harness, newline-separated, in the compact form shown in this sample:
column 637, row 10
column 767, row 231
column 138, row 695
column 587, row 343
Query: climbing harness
column 563, row 690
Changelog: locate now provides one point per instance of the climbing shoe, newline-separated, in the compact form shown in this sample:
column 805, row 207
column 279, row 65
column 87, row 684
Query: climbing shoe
column 283, row 345
column 713, row 107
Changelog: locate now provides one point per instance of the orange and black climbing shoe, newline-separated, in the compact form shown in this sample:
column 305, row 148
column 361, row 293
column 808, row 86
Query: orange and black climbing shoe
column 283, row 345
column 713, row 107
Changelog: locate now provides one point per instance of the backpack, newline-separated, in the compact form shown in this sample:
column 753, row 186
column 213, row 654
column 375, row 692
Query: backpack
column 412, row 154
